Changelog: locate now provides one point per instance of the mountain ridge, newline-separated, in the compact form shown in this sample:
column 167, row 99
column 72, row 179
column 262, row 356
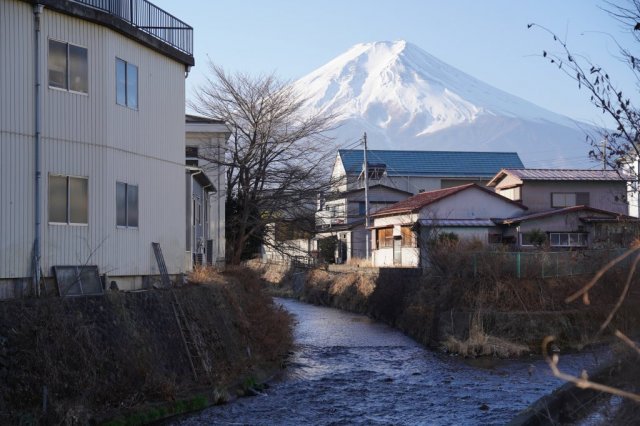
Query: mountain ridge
column 406, row 98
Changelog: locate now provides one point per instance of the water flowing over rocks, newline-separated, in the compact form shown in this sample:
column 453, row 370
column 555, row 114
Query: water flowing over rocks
column 348, row 369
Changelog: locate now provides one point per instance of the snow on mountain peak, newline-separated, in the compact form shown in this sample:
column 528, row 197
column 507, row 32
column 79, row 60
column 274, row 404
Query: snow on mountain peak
column 410, row 98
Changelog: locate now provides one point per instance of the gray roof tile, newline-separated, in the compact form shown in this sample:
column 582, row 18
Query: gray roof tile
column 564, row 174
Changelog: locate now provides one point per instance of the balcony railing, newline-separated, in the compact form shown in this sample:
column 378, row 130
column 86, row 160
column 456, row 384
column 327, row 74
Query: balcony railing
column 150, row 19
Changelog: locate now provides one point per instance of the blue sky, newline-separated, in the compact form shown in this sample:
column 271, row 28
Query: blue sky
column 488, row 39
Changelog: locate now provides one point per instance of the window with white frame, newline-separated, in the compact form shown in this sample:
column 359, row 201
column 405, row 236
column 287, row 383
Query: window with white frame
column 126, row 84
column 568, row 239
column 126, row 205
column 68, row 67
column 68, row 200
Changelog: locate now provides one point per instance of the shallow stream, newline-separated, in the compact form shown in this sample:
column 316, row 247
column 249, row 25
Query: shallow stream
column 348, row 369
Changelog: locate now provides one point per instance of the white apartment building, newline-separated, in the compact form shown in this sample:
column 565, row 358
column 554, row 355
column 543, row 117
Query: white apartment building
column 92, row 133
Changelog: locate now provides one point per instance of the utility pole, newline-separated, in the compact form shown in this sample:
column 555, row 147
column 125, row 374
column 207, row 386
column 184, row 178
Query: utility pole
column 604, row 153
column 366, row 198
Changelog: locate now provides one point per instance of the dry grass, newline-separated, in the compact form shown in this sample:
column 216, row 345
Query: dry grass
column 319, row 277
column 484, row 345
column 359, row 262
column 106, row 355
column 365, row 285
column 479, row 343
column 203, row 274
column 272, row 273
column 342, row 283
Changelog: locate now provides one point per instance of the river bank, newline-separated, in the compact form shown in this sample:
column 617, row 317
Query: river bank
column 503, row 317
column 346, row 368
column 121, row 357
column 500, row 318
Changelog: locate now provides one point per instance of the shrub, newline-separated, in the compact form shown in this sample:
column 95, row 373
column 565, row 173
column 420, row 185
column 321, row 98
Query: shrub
column 448, row 238
column 327, row 248
column 536, row 237
column 204, row 274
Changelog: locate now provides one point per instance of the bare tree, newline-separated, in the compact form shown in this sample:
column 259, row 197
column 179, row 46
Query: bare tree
column 275, row 159
column 620, row 151
column 620, row 146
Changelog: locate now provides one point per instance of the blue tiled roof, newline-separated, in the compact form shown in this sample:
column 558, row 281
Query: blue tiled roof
column 432, row 163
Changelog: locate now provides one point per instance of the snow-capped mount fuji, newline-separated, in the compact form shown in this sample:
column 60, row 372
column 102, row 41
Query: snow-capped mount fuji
column 405, row 98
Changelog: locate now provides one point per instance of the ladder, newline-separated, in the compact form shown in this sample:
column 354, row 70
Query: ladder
column 162, row 267
column 193, row 352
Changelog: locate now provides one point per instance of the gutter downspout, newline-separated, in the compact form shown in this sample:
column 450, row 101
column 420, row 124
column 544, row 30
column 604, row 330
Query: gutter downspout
column 206, row 230
column 37, row 11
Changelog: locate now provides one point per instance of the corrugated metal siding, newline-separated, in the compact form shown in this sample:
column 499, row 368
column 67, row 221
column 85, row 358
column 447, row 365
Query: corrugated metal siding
column 16, row 138
column 212, row 144
column 566, row 174
column 90, row 135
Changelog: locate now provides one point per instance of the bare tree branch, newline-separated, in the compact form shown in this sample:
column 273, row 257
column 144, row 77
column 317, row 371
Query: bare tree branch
column 581, row 382
column 276, row 158
column 585, row 289
column 623, row 143
column 627, row 341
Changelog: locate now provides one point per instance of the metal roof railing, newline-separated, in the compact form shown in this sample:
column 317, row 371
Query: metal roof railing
column 150, row 19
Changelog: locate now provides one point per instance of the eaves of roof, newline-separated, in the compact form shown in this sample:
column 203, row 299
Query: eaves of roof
column 419, row 201
column 559, row 175
column 565, row 210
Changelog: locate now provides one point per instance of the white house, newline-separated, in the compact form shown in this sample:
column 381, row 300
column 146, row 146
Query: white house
column 400, row 233
column 91, row 140
column 205, row 150
column 394, row 176
column 341, row 214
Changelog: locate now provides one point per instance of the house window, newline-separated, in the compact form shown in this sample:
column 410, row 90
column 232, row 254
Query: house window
column 68, row 67
column 568, row 239
column 191, row 154
column 362, row 209
column 408, row 239
column 68, row 200
column 335, row 210
column 568, row 199
column 535, row 237
column 384, row 237
column 126, row 205
column 126, row 84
